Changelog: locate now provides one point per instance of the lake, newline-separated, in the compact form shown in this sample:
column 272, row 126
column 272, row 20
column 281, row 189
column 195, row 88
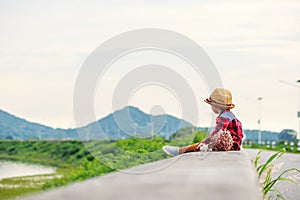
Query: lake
column 10, row 169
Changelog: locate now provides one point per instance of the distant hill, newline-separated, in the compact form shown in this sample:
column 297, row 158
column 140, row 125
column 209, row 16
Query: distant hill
column 265, row 135
column 15, row 127
column 12, row 127
column 131, row 121
column 127, row 122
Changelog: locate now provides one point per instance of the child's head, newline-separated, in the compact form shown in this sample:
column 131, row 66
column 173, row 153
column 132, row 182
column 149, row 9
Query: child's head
column 220, row 99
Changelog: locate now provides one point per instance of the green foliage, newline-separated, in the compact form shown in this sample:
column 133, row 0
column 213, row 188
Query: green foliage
column 55, row 153
column 187, row 136
column 74, row 161
column 128, row 152
column 278, row 147
column 86, row 170
column 264, row 171
column 200, row 135
column 136, row 145
column 13, row 187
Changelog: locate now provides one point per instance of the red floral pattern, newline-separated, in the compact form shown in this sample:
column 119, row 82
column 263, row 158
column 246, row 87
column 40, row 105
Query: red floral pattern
column 221, row 141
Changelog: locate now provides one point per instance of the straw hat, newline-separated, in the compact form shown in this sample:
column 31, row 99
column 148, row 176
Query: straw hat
column 220, row 98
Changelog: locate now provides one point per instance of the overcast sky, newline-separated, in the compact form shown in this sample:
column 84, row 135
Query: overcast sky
column 253, row 44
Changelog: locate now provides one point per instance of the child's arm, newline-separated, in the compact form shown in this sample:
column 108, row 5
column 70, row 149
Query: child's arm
column 221, row 124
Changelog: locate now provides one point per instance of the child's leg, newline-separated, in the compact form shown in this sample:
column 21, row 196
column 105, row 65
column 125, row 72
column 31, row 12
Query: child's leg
column 190, row 148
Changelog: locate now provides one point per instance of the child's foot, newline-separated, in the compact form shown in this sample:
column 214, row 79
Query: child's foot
column 171, row 151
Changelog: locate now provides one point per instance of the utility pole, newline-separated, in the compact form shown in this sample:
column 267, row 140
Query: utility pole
column 298, row 135
column 259, row 120
column 298, row 113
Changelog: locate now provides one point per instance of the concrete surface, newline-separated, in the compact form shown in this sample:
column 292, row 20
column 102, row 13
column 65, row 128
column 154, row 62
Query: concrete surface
column 205, row 175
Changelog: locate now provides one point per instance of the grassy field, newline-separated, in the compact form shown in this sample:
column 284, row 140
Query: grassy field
column 70, row 158
column 279, row 147
column 74, row 162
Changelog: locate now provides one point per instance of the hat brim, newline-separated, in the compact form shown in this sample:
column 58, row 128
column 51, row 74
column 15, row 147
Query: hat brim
column 219, row 105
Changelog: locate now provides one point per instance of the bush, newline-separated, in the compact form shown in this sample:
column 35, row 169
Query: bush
column 199, row 136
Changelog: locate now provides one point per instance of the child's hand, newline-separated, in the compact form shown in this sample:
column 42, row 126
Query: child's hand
column 199, row 146
column 203, row 147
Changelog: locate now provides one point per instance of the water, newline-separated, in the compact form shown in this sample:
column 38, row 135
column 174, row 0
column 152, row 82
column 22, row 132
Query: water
column 10, row 169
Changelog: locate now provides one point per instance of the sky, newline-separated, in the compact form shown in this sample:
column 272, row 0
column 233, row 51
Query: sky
column 253, row 44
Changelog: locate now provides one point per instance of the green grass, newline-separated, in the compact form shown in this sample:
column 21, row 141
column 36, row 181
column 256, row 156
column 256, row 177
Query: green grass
column 279, row 147
column 18, row 186
column 74, row 162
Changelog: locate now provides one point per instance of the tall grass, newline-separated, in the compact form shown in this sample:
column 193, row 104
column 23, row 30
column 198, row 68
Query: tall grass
column 268, row 183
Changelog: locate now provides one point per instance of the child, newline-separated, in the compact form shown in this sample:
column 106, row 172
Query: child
column 227, row 134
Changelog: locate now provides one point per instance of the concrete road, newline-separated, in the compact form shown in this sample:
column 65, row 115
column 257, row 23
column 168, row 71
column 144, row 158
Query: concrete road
column 202, row 175
column 288, row 160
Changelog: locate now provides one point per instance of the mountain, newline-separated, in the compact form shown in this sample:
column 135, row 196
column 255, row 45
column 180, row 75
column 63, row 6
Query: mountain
column 265, row 135
column 131, row 121
column 127, row 122
column 15, row 127
column 12, row 127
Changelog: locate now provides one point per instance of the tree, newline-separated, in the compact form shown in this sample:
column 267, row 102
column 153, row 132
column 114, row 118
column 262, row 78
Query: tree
column 9, row 137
